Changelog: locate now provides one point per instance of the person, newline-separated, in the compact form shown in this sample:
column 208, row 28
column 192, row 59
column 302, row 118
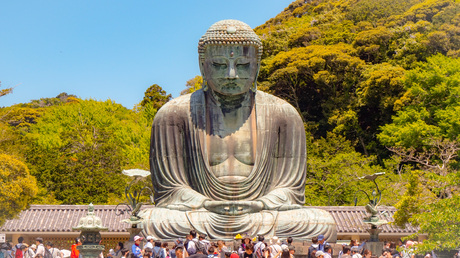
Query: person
column 199, row 252
column 248, row 251
column 157, row 251
column 178, row 242
column 28, row 252
column 222, row 249
column 319, row 254
column 367, row 253
column 117, row 252
column 313, row 247
column 242, row 248
column 355, row 252
column 321, row 243
column 136, row 249
column 55, row 253
column 124, row 253
column 292, row 250
column 181, row 252
column 74, row 252
column 150, row 241
column 233, row 157
column 275, row 248
column 192, row 242
column 148, row 251
column 40, row 247
column 18, row 247
column 327, row 251
column 212, row 253
column 266, row 252
column 206, row 243
column 165, row 248
column 346, row 251
column 259, row 247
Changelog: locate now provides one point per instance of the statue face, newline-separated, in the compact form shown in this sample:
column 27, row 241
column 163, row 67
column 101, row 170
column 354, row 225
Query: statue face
column 230, row 69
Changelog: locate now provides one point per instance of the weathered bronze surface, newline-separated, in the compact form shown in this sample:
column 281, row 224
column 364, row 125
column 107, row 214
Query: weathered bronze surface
column 229, row 159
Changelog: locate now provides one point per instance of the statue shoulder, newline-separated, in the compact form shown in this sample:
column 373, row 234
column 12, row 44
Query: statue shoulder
column 180, row 107
column 276, row 102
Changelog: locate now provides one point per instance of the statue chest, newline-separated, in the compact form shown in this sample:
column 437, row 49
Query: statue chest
column 231, row 153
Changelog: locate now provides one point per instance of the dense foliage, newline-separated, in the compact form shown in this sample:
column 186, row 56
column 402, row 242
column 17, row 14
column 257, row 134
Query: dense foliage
column 376, row 82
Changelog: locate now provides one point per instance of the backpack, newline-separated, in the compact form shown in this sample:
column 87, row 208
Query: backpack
column 259, row 253
column 310, row 251
column 47, row 253
column 155, row 254
column 200, row 246
column 18, row 253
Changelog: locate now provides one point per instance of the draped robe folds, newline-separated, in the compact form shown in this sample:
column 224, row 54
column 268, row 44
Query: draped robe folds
column 183, row 178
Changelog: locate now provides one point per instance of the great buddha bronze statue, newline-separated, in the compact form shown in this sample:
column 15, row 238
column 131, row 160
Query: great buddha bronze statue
column 229, row 159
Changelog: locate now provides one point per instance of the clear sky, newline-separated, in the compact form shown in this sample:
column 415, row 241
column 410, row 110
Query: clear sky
column 110, row 49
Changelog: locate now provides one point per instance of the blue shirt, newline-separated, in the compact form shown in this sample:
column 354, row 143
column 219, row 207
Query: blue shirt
column 136, row 250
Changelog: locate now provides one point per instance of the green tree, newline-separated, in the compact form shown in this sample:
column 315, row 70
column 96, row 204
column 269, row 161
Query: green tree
column 155, row 96
column 333, row 168
column 424, row 135
column 18, row 187
column 193, row 85
column 430, row 108
column 77, row 151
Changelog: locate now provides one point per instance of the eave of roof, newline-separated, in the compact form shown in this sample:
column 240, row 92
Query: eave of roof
column 61, row 218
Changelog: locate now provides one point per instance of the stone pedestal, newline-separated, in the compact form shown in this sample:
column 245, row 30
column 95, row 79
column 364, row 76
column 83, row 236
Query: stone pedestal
column 375, row 247
column 90, row 251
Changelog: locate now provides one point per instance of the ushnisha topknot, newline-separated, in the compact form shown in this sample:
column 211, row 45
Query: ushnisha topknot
column 229, row 32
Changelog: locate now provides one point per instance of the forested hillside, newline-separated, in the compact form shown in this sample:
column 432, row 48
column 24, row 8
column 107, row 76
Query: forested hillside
column 377, row 83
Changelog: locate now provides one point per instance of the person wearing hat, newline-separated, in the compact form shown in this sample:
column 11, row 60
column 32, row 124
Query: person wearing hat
column 150, row 242
column 319, row 254
column 28, row 252
column 136, row 249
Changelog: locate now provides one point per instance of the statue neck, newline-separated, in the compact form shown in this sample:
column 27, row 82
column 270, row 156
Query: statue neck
column 233, row 102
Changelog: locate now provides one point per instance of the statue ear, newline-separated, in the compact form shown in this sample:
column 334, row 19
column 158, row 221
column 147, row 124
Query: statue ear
column 204, row 85
column 254, row 84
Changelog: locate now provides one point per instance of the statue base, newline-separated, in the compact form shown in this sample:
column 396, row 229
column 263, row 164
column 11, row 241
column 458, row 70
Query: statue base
column 90, row 251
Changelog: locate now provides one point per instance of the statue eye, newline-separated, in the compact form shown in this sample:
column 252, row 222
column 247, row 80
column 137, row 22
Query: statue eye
column 242, row 65
column 219, row 65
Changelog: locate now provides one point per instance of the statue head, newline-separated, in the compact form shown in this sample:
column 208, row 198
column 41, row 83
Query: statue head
column 229, row 54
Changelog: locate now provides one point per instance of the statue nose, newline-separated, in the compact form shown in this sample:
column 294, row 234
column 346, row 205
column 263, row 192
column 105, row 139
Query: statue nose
column 231, row 73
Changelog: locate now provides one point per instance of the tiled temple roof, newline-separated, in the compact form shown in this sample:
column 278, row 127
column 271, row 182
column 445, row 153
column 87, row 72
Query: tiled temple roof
column 349, row 220
column 61, row 218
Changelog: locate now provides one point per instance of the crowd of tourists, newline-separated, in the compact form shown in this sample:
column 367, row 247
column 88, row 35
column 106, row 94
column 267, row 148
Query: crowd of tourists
column 197, row 246
column 37, row 250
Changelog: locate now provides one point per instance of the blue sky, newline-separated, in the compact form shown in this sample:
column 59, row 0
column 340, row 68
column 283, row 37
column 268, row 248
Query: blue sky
column 110, row 49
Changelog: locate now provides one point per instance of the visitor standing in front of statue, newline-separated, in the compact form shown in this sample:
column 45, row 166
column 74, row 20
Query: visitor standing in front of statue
column 136, row 249
column 259, row 247
column 40, row 247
